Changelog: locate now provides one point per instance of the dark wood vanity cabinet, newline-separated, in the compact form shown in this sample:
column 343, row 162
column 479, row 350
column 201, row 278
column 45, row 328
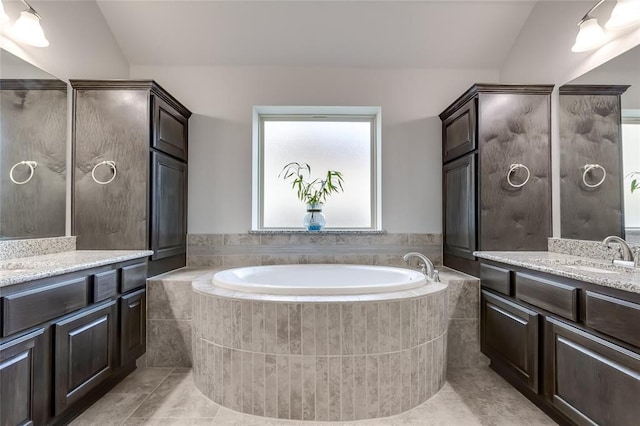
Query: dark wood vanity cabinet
column 571, row 347
column 90, row 329
column 143, row 131
column 485, row 133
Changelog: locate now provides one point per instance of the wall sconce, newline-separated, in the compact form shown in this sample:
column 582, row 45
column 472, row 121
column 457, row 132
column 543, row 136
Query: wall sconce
column 27, row 27
column 626, row 13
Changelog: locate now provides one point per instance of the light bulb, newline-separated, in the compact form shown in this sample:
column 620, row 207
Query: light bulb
column 28, row 30
column 590, row 36
column 626, row 13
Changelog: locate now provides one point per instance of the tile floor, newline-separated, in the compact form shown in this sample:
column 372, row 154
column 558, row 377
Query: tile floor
column 167, row 396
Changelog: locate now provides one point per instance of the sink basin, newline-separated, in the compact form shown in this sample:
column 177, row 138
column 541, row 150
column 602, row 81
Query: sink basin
column 586, row 265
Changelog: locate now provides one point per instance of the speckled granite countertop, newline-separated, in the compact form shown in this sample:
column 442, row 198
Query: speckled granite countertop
column 596, row 271
column 19, row 270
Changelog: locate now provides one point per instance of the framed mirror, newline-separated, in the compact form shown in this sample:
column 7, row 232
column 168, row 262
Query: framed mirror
column 33, row 144
column 599, row 121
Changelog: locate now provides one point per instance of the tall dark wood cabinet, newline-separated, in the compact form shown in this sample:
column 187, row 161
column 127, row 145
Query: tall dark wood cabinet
column 496, row 153
column 130, row 175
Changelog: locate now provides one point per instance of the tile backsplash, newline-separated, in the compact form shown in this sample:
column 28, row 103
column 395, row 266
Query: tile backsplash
column 274, row 248
column 10, row 249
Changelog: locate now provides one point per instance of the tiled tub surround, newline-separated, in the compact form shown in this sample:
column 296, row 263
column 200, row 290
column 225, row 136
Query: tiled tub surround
column 10, row 249
column 596, row 271
column 275, row 248
column 335, row 358
column 169, row 317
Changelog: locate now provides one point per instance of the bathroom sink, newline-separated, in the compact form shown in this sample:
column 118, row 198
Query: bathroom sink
column 586, row 265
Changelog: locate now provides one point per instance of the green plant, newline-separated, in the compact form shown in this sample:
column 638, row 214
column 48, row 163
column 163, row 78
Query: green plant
column 310, row 191
column 635, row 180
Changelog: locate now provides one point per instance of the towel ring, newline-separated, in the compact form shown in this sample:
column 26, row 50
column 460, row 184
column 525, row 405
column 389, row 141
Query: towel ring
column 111, row 164
column 513, row 168
column 32, row 166
column 587, row 169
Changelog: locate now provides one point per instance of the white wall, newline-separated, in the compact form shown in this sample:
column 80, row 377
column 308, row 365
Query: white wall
column 81, row 43
column 220, row 133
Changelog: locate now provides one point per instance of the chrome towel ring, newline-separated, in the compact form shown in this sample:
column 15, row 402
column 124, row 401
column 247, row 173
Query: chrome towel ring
column 112, row 166
column 587, row 168
column 32, row 166
column 513, row 168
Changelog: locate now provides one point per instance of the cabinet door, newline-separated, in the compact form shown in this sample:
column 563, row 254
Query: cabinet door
column 23, row 380
column 509, row 336
column 133, row 318
column 459, row 132
column 169, row 129
column 590, row 380
column 84, row 353
column 168, row 206
column 459, row 208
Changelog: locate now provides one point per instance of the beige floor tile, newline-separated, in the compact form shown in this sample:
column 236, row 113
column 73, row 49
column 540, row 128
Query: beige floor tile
column 111, row 409
column 177, row 397
column 138, row 421
column 142, row 380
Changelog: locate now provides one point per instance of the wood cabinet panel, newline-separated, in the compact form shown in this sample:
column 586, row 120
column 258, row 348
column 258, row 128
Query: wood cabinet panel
column 509, row 333
column 32, row 307
column 459, row 207
column 168, row 206
column 23, row 380
column 592, row 381
column 459, row 132
column 552, row 296
column 133, row 326
column 85, row 344
column 133, row 276
column 170, row 129
column 616, row 317
column 105, row 285
column 495, row 278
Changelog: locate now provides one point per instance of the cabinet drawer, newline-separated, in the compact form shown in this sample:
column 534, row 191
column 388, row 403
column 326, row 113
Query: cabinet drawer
column 105, row 285
column 29, row 308
column 495, row 278
column 560, row 299
column 615, row 317
column 133, row 276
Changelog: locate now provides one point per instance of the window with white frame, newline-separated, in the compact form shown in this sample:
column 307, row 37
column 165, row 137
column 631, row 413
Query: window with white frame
column 345, row 139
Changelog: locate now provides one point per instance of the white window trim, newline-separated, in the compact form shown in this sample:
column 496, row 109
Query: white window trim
column 376, row 154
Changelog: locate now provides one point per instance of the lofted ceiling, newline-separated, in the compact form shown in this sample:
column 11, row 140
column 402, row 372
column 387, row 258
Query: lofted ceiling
column 373, row 34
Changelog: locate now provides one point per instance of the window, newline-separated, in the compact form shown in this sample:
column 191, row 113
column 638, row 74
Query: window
column 346, row 139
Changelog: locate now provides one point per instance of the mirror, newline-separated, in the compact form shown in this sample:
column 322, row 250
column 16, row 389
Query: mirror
column 599, row 121
column 33, row 141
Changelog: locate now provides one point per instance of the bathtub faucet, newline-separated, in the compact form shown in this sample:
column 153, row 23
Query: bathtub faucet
column 427, row 266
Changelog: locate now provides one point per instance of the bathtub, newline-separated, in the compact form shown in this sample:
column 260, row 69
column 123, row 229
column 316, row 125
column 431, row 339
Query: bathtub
column 319, row 279
column 319, row 342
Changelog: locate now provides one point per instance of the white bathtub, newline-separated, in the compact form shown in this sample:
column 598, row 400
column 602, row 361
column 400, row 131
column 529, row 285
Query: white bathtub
column 319, row 279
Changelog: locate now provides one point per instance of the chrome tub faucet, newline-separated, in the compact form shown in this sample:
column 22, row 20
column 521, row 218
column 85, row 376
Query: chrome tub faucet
column 426, row 265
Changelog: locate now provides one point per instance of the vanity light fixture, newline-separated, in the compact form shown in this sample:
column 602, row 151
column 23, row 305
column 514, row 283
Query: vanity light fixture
column 626, row 13
column 27, row 28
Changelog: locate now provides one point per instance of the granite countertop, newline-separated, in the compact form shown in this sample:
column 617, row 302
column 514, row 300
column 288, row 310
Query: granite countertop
column 596, row 271
column 19, row 270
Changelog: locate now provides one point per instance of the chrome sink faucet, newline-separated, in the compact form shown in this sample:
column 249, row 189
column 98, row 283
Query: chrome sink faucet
column 627, row 252
column 426, row 265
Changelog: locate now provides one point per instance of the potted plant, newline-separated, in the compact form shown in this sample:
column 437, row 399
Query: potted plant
column 635, row 180
column 312, row 192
